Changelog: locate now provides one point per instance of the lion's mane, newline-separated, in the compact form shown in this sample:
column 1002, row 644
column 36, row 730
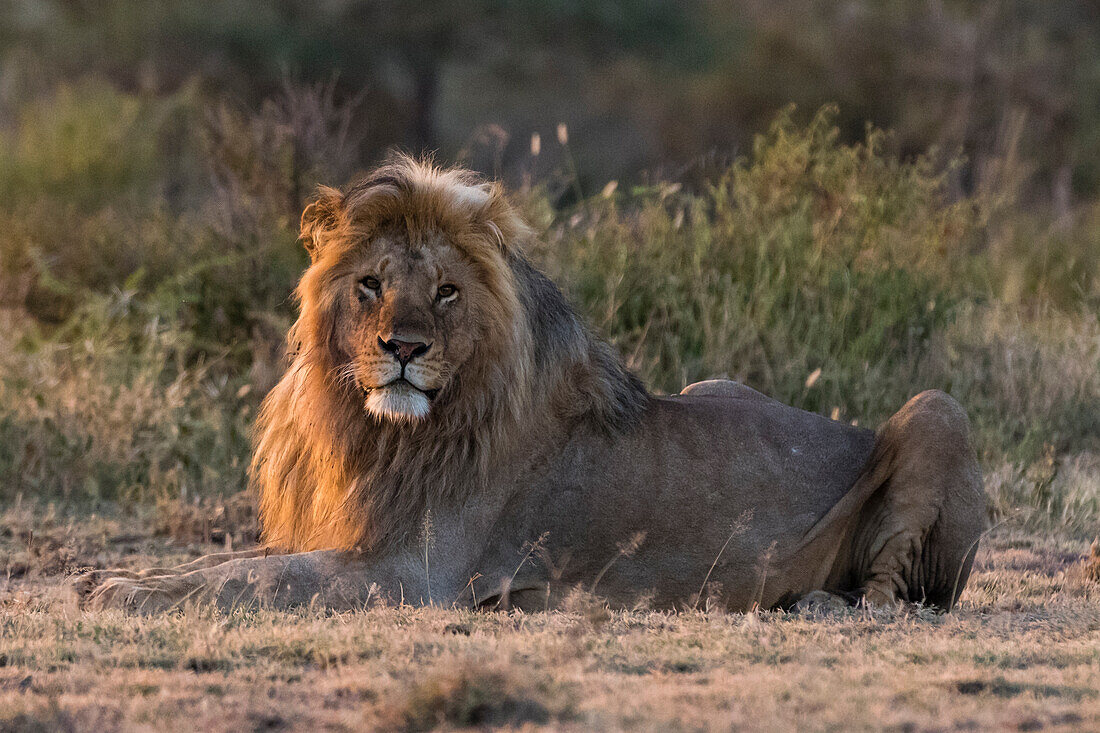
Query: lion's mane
column 330, row 476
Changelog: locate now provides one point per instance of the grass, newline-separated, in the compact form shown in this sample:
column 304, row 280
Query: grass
column 838, row 278
column 146, row 261
column 810, row 257
column 1020, row 653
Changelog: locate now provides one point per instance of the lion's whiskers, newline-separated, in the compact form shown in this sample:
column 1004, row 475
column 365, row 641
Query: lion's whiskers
column 346, row 376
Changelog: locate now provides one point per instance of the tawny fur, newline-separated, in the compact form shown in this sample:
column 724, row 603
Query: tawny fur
column 540, row 457
column 329, row 479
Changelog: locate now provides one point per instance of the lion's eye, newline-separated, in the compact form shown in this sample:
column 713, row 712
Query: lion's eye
column 370, row 286
column 446, row 292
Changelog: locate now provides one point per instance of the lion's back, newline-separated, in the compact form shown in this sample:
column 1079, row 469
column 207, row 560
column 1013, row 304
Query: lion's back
column 759, row 449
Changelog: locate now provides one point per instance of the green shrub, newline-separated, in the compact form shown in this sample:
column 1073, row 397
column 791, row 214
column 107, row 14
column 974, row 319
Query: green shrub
column 92, row 145
column 110, row 408
column 842, row 280
column 811, row 256
column 838, row 278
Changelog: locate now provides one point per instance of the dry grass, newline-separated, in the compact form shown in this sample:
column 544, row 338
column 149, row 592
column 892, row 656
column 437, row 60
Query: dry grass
column 1022, row 652
column 136, row 338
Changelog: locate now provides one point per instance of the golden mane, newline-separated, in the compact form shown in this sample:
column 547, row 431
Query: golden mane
column 331, row 477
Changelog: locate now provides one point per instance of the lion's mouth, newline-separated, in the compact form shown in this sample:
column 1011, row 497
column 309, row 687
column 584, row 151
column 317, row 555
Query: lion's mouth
column 402, row 383
column 399, row 400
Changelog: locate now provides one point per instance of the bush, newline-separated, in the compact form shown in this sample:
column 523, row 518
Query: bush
column 811, row 258
column 109, row 408
column 91, row 145
column 834, row 277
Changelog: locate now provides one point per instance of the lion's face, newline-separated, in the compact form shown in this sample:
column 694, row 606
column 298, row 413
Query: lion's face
column 408, row 321
column 410, row 298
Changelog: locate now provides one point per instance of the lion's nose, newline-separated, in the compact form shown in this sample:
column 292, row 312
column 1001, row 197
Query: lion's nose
column 405, row 351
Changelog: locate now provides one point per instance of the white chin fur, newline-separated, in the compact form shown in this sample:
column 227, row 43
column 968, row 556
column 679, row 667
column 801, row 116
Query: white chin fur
column 398, row 402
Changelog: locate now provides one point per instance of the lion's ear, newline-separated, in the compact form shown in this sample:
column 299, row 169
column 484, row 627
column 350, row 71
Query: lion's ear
column 503, row 220
column 320, row 217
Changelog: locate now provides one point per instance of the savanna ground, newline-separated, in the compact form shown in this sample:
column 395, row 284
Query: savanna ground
column 145, row 276
column 1021, row 652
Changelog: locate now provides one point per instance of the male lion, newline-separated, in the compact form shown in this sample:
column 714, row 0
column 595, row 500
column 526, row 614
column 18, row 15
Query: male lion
column 450, row 432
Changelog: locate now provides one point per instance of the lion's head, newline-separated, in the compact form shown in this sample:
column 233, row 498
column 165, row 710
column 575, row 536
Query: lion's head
column 410, row 291
column 426, row 348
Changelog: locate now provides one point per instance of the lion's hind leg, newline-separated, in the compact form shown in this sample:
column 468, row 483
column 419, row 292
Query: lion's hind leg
column 917, row 534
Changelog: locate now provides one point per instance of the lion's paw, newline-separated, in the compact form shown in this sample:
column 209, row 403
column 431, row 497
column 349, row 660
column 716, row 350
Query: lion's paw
column 86, row 582
column 137, row 595
column 821, row 603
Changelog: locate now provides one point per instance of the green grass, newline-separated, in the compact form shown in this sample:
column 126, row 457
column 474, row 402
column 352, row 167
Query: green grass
column 146, row 309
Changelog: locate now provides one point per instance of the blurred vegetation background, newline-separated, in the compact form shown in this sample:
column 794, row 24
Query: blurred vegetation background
column 839, row 203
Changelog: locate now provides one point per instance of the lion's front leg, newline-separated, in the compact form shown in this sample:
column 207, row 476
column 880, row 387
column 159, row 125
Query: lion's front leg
column 328, row 579
column 86, row 582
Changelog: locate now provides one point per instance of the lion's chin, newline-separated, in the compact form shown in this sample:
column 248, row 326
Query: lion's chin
column 399, row 401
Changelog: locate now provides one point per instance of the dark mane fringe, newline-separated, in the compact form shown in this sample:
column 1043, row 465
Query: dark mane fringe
column 578, row 367
column 329, row 475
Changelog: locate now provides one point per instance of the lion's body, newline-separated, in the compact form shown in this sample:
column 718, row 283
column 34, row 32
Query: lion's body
column 719, row 480
column 542, row 464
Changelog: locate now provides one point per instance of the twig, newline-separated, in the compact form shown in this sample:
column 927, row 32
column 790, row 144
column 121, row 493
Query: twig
column 531, row 550
column 625, row 550
column 739, row 526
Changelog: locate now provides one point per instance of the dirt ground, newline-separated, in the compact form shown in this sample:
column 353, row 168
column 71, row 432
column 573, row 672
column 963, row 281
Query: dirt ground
column 1022, row 652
